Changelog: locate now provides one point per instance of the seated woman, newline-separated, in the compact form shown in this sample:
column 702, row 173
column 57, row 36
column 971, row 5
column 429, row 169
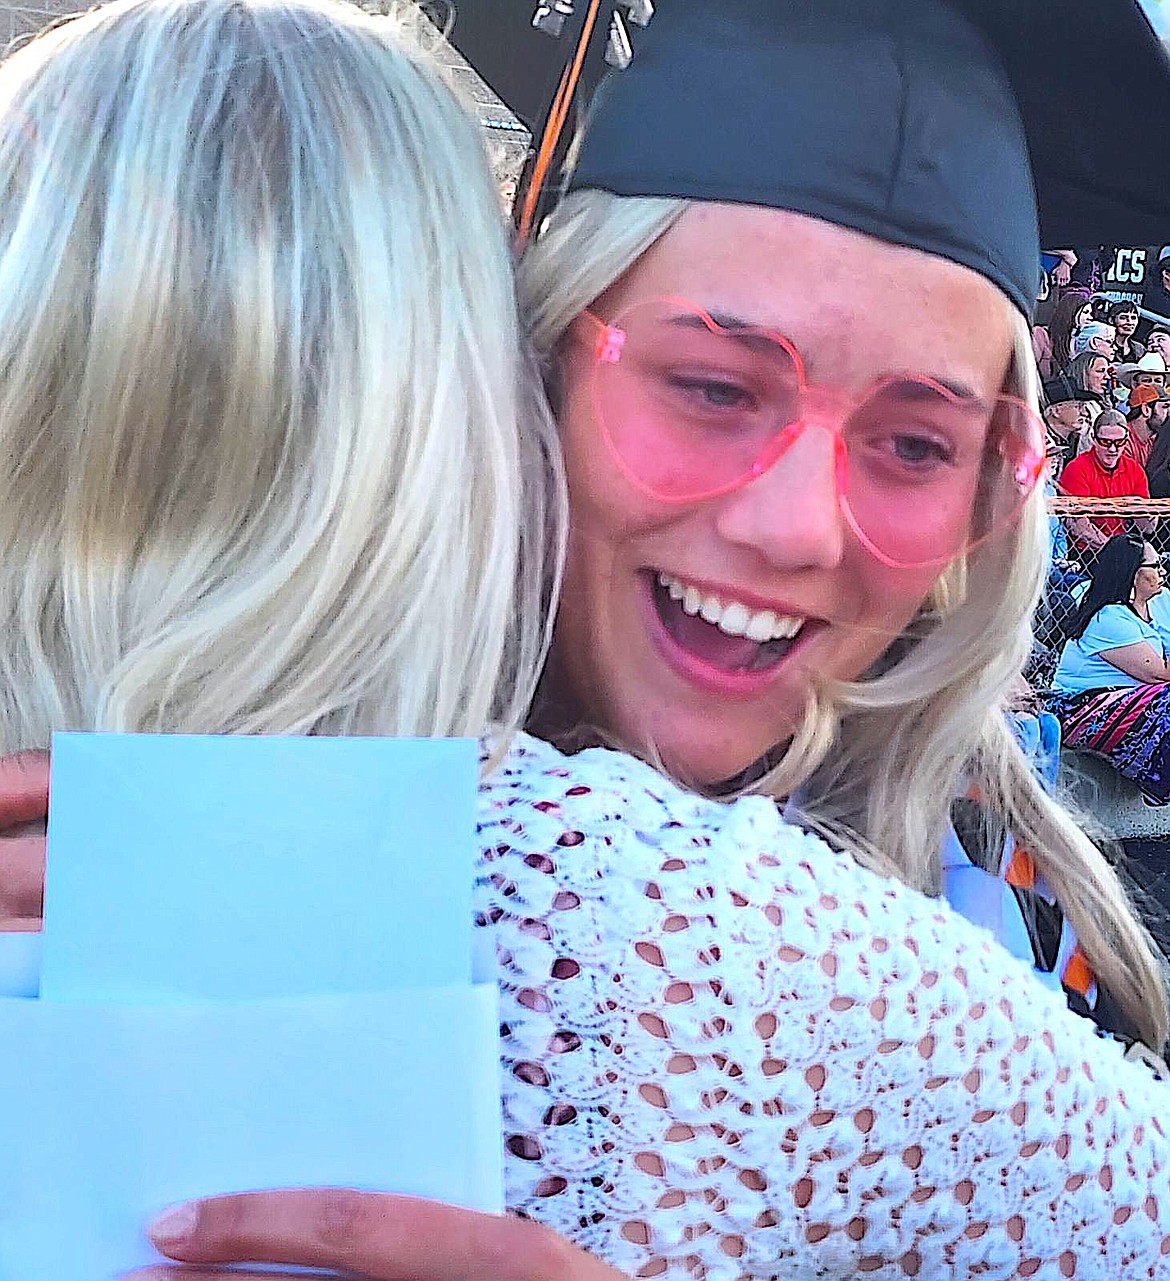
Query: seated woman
column 1112, row 695
column 1072, row 312
column 1089, row 373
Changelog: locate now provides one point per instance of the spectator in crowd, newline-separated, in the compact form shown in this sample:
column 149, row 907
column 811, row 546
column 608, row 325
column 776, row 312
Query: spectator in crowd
column 1139, row 419
column 1072, row 311
column 1157, row 294
column 1149, row 371
column 1100, row 306
column 1091, row 372
column 1103, row 471
column 1158, row 463
column 1160, row 410
column 1124, row 316
column 1112, row 695
column 1042, row 350
column 1069, row 411
column 1158, row 342
column 1106, row 417
column 1062, row 269
column 1056, row 605
column 1095, row 336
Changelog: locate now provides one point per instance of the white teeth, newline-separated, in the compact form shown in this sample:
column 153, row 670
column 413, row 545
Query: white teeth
column 735, row 619
column 732, row 617
column 787, row 628
column 762, row 626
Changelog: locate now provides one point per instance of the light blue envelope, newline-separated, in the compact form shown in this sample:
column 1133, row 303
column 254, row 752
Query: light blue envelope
column 110, row 1113
column 20, row 964
column 188, row 867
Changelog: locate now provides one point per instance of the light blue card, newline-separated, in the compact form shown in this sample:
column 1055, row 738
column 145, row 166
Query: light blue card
column 188, row 867
column 108, row 1114
column 20, row 964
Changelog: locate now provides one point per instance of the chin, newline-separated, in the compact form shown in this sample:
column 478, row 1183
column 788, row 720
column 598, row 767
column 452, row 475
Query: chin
column 699, row 763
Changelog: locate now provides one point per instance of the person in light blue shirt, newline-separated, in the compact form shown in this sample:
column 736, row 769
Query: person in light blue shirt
column 1112, row 692
column 1083, row 663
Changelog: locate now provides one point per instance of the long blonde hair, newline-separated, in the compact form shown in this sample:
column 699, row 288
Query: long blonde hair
column 877, row 761
column 260, row 470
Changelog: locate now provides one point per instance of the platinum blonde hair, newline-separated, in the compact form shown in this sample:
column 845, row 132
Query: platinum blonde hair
column 877, row 761
column 260, row 464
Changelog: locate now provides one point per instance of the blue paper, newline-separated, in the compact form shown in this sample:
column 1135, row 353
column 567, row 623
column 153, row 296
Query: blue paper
column 110, row 1113
column 187, row 867
column 20, row 964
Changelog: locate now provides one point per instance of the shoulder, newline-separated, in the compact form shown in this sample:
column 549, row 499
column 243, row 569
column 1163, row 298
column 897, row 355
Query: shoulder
column 618, row 816
column 1077, row 474
column 639, row 857
column 1114, row 625
column 1135, row 473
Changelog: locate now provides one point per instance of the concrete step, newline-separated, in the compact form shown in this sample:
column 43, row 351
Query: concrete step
column 1116, row 803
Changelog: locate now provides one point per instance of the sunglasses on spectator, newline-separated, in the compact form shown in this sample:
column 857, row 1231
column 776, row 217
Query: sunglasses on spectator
column 693, row 407
column 1110, row 444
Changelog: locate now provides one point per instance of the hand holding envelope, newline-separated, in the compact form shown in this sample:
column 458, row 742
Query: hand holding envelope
column 379, row 1237
column 223, row 1006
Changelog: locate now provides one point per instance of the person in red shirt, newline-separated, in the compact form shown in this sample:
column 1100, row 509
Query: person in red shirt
column 1140, row 423
column 1104, row 471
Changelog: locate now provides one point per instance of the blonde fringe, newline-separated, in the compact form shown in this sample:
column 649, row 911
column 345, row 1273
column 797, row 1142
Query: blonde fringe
column 876, row 763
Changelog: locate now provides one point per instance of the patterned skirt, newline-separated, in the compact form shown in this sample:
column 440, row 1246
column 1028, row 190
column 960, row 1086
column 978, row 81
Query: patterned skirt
column 1130, row 727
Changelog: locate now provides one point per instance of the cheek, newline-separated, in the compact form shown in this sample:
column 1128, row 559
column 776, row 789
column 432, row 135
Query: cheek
column 890, row 600
column 604, row 505
column 896, row 596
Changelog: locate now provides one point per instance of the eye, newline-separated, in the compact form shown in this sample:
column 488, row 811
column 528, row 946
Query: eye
column 713, row 392
column 919, row 451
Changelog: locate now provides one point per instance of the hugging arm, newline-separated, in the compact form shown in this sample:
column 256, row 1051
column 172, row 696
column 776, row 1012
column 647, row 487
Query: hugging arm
column 723, row 1039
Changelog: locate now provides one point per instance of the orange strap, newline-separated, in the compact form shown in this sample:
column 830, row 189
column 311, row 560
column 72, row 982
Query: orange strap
column 555, row 125
column 1077, row 976
column 1021, row 872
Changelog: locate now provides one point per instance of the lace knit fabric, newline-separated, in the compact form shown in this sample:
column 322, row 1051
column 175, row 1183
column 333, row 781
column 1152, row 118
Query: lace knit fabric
column 730, row 1052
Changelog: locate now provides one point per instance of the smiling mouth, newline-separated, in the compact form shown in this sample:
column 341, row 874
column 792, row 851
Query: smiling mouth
column 722, row 632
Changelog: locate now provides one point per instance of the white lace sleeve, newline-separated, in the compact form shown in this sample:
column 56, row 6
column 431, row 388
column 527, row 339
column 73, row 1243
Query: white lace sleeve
column 730, row 1052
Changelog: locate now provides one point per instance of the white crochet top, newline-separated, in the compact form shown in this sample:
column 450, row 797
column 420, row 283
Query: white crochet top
column 730, row 1052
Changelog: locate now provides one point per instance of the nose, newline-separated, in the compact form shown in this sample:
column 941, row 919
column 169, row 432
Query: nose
column 791, row 513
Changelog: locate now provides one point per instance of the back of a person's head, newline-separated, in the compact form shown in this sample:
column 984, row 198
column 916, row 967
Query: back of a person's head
column 260, row 468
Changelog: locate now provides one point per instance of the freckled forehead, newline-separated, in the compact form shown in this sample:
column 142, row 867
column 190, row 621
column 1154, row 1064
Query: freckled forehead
column 856, row 307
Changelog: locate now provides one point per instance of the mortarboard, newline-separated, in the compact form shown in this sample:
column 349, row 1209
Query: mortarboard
column 925, row 122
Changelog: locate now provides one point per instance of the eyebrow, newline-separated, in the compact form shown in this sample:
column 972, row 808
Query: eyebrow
column 751, row 334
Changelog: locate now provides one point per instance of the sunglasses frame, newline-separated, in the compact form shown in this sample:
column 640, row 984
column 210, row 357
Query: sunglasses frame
column 608, row 345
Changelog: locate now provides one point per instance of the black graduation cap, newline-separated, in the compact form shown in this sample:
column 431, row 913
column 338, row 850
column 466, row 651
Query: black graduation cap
column 921, row 121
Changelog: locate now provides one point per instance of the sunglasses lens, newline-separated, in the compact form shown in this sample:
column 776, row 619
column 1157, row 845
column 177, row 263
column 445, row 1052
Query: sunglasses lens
column 693, row 406
column 687, row 406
